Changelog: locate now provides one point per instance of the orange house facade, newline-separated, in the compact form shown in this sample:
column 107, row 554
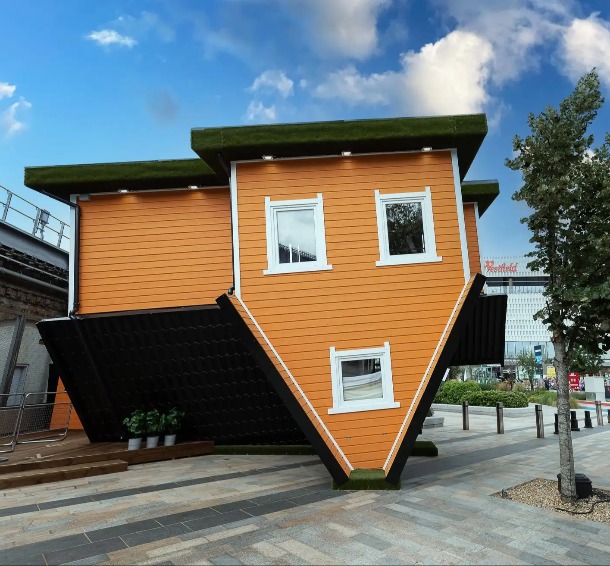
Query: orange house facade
column 326, row 274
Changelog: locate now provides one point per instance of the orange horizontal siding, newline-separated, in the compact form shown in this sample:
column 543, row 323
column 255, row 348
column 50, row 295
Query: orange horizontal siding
column 153, row 250
column 356, row 304
column 472, row 237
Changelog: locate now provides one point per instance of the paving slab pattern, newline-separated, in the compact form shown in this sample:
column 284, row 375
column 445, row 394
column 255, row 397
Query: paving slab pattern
column 281, row 510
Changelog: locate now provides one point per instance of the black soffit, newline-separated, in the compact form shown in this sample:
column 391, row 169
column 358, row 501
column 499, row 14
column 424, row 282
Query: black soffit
column 188, row 358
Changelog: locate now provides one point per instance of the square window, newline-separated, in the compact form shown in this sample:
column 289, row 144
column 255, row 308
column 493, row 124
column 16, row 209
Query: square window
column 406, row 228
column 296, row 240
column 362, row 380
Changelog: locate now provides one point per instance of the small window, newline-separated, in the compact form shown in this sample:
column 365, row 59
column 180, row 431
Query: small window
column 362, row 380
column 295, row 236
column 406, row 228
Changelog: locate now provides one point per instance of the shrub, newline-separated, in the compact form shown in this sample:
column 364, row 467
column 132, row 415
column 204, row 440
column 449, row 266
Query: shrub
column 509, row 399
column 451, row 392
column 578, row 395
column 544, row 397
column 488, row 386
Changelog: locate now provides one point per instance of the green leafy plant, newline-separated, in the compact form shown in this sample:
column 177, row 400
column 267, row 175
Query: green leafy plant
column 549, row 398
column 452, row 392
column 172, row 421
column 509, row 399
column 153, row 422
column 136, row 424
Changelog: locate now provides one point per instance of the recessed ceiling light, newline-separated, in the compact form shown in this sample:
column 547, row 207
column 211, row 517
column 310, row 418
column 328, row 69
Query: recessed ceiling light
column 346, row 153
column 426, row 148
column 194, row 186
column 123, row 191
column 267, row 157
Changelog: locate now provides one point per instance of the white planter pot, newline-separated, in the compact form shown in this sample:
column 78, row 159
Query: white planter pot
column 152, row 441
column 169, row 440
column 134, row 444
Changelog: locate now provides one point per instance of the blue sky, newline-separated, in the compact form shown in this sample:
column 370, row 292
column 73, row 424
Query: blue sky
column 83, row 81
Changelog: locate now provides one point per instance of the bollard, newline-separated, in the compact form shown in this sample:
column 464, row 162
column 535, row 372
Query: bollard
column 539, row 422
column 500, row 417
column 598, row 413
column 608, row 416
column 556, row 424
column 465, row 421
column 588, row 423
column 573, row 421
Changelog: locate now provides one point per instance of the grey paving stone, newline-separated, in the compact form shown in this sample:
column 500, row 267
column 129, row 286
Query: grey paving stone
column 152, row 535
column 372, row 541
column 534, row 558
column 186, row 516
column 409, row 519
column 65, row 502
column 431, row 510
column 119, row 530
column 91, row 560
column 273, row 507
column 290, row 493
column 224, row 559
column 317, row 496
column 33, row 560
column 18, row 510
column 159, row 487
column 115, row 494
column 84, row 551
column 24, row 551
column 216, row 520
column 243, row 504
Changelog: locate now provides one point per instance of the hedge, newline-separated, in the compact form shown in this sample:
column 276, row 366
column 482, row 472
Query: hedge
column 509, row 399
column 550, row 398
column 452, row 392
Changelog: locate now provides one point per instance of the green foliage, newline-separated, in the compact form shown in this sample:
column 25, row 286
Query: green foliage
column 526, row 361
column 583, row 361
column 566, row 184
column 153, row 422
column 451, row 392
column 171, row 422
column 509, row 399
column 136, row 423
column 543, row 397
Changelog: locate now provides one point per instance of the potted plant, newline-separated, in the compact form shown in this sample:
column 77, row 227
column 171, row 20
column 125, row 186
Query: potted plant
column 171, row 424
column 136, row 426
column 153, row 426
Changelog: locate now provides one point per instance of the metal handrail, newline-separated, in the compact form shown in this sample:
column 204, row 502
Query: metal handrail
column 43, row 219
column 10, row 432
column 45, row 407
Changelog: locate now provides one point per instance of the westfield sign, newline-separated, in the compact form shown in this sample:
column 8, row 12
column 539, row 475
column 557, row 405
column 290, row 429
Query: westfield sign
column 491, row 267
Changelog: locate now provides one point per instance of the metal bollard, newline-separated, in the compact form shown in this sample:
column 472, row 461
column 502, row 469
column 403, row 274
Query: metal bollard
column 500, row 417
column 588, row 423
column 556, row 424
column 573, row 421
column 465, row 421
column 539, row 422
column 598, row 413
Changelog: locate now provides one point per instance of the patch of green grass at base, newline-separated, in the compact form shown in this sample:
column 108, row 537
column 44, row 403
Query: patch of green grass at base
column 288, row 449
column 362, row 479
column 424, row 448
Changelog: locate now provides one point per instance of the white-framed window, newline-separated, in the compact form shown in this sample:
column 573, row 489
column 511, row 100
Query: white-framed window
column 362, row 380
column 296, row 240
column 406, row 228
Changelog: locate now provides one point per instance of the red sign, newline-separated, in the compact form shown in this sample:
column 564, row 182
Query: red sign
column 491, row 267
column 574, row 380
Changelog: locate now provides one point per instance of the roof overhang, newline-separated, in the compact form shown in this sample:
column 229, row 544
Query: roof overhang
column 464, row 132
column 63, row 180
column 481, row 192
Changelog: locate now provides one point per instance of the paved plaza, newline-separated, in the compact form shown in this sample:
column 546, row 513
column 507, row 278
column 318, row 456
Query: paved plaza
column 280, row 509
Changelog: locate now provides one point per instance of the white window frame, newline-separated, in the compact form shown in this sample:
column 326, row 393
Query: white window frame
column 425, row 199
column 342, row 406
column 271, row 210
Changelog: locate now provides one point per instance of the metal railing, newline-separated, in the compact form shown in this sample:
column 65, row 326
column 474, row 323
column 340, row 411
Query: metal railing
column 28, row 217
column 26, row 418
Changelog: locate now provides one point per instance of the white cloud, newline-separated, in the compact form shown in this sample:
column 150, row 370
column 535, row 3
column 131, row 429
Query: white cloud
column 258, row 112
column 446, row 77
column 586, row 44
column 106, row 37
column 344, row 28
column 272, row 80
column 6, row 90
column 10, row 120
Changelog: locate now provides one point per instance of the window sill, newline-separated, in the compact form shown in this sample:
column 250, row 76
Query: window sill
column 296, row 268
column 359, row 408
column 406, row 260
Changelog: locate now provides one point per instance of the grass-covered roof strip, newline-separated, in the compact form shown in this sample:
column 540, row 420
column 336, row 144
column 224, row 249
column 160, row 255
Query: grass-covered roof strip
column 481, row 192
column 63, row 180
column 464, row 132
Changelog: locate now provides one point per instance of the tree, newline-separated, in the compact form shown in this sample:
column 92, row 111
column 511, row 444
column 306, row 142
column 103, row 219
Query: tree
column 583, row 361
column 526, row 361
column 566, row 184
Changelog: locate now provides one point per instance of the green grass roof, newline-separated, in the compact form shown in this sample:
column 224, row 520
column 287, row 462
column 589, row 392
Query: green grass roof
column 465, row 132
column 63, row 180
column 481, row 192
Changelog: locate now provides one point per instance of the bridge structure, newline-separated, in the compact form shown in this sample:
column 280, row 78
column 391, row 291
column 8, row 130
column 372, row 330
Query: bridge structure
column 33, row 285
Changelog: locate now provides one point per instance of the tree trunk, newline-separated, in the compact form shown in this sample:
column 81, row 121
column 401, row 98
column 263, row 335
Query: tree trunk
column 566, row 453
